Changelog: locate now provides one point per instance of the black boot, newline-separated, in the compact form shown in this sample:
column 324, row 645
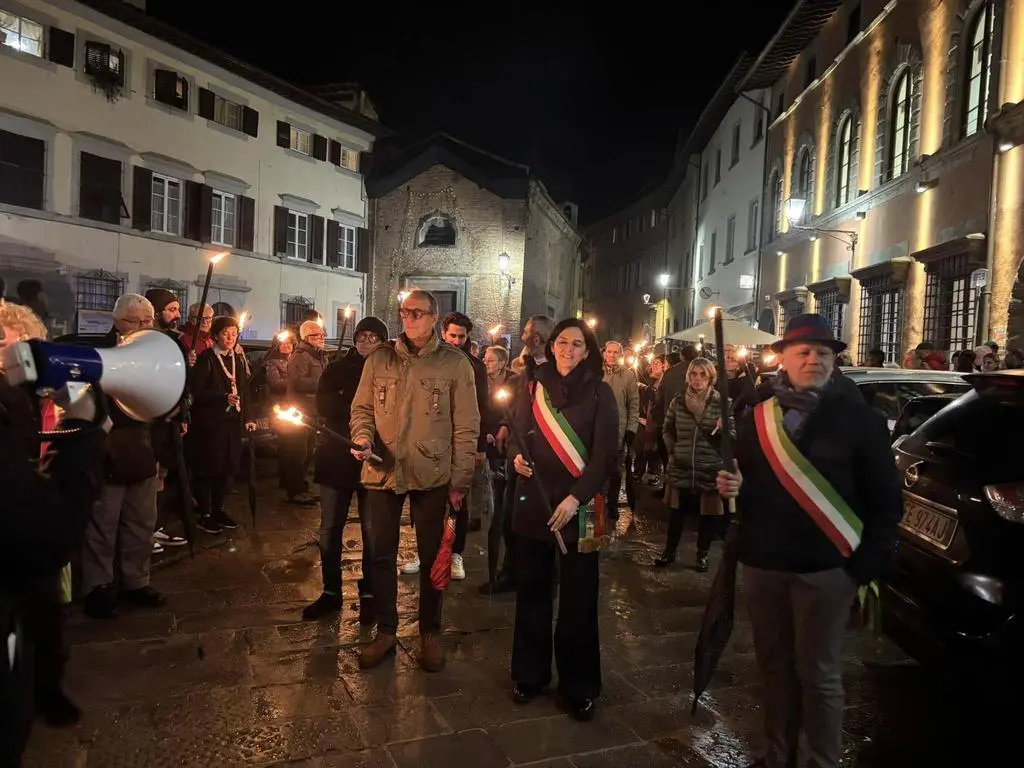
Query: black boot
column 57, row 709
column 324, row 605
column 702, row 562
column 666, row 559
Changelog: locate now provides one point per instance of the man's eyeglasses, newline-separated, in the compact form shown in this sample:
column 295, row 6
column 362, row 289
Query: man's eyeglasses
column 316, row 335
column 413, row 314
column 367, row 338
column 146, row 322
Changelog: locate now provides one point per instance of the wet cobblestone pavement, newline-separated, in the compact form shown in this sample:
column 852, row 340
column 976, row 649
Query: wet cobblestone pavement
column 228, row 674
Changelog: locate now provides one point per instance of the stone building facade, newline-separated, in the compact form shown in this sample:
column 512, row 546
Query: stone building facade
column 476, row 230
column 893, row 197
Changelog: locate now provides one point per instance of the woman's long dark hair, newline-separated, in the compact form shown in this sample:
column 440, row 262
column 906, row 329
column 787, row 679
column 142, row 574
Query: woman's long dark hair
column 593, row 361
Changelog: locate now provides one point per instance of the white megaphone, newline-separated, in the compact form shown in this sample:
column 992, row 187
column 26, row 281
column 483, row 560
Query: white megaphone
column 145, row 373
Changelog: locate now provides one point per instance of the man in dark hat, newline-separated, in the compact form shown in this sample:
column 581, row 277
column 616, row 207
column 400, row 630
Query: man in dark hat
column 166, row 308
column 820, row 501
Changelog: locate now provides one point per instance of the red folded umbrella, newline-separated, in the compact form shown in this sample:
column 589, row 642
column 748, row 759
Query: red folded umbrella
column 441, row 570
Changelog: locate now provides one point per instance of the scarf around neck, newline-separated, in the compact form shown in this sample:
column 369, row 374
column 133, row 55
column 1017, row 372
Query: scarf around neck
column 696, row 402
column 796, row 406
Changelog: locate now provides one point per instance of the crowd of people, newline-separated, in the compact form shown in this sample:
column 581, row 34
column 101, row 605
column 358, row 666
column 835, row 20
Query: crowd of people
column 548, row 447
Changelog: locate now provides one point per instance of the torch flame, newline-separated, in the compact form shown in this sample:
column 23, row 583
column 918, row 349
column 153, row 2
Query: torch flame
column 592, row 322
column 742, row 352
column 243, row 320
column 502, row 395
column 638, row 347
column 650, row 357
column 283, row 336
column 495, row 330
column 712, row 311
column 218, row 257
column 348, row 311
column 291, row 414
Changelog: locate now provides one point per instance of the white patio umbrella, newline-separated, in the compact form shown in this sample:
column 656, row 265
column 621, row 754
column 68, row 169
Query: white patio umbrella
column 736, row 332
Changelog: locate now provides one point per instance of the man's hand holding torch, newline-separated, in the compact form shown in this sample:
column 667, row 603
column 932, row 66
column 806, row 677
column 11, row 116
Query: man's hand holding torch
column 361, row 450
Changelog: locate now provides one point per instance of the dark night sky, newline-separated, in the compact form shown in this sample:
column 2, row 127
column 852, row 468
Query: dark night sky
column 593, row 101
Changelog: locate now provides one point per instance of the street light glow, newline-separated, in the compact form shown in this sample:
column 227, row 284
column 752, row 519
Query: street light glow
column 592, row 323
column 663, row 279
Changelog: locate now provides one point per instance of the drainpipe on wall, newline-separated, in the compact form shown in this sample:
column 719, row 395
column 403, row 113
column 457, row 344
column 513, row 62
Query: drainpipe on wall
column 696, row 234
column 982, row 332
column 760, row 222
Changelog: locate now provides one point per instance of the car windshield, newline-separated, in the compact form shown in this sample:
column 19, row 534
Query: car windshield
column 977, row 429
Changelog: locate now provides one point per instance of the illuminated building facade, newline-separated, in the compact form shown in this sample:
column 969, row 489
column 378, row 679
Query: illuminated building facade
column 894, row 177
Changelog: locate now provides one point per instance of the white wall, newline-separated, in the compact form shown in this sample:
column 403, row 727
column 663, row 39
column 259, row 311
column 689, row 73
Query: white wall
column 58, row 104
column 739, row 186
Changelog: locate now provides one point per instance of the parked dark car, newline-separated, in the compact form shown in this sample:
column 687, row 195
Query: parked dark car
column 917, row 411
column 958, row 580
column 889, row 389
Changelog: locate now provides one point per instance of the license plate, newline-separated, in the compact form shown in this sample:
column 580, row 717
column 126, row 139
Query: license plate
column 930, row 525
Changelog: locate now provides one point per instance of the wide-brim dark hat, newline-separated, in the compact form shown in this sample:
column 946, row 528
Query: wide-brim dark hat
column 809, row 329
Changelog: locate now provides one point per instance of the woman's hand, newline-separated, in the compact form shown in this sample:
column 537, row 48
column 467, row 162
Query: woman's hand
column 233, row 399
column 729, row 482
column 522, row 466
column 564, row 512
column 250, row 426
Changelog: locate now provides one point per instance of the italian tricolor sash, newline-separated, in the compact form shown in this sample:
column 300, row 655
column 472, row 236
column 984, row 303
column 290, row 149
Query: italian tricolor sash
column 569, row 448
column 803, row 482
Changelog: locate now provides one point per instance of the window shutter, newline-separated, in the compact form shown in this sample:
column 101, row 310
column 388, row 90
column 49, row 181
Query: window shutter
column 198, row 212
column 250, row 122
column 319, row 147
column 120, row 67
column 365, row 163
column 142, row 198
column 97, row 58
column 284, row 134
column 315, row 254
column 333, row 246
column 363, row 250
column 245, row 237
column 60, row 47
column 335, row 153
column 280, row 228
column 165, row 88
column 207, row 100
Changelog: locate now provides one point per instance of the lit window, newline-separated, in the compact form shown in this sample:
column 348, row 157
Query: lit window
column 899, row 127
column 350, row 159
column 222, row 219
column 298, row 234
column 21, row 34
column 300, row 141
column 844, row 160
column 228, row 113
column 166, row 213
column 347, row 246
column 979, row 72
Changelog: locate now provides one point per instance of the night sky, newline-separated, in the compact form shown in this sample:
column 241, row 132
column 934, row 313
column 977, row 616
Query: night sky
column 593, row 101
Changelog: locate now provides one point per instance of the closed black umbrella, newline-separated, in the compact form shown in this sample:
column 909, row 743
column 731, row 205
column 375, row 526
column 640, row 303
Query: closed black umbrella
column 184, row 490
column 252, row 479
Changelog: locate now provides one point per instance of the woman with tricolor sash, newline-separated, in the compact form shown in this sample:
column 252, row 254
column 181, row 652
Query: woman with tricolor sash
column 571, row 425
column 820, row 505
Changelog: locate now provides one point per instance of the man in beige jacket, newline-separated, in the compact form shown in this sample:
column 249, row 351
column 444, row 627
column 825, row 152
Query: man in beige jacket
column 416, row 403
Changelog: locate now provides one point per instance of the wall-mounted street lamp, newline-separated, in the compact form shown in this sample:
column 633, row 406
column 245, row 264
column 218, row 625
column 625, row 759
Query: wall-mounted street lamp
column 503, row 264
column 796, row 208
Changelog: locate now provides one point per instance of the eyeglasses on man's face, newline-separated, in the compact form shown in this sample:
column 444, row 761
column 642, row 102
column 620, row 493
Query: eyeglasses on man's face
column 316, row 335
column 137, row 322
column 414, row 314
column 367, row 338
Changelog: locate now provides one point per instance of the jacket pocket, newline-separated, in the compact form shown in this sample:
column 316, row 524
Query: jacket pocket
column 437, row 402
column 431, row 463
column 385, row 397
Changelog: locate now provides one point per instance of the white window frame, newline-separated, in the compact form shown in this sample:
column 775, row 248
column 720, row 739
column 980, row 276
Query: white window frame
column 39, row 49
column 223, row 222
column 166, row 202
column 347, row 246
column 225, row 111
column 297, row 238
column 350, row 159
column 300, row 140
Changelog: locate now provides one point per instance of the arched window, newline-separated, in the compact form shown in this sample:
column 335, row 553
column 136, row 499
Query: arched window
column 979, row 71
column 900, row 127
column 844, row 161
column 804, row 180
column 437, row 231
column 775, row 188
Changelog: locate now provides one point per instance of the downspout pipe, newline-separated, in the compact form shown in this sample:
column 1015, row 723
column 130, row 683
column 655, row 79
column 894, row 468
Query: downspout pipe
column 983, row 332
column 760, row 223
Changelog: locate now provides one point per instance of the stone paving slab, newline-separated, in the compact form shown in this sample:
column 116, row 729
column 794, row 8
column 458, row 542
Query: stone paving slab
column 227, row 673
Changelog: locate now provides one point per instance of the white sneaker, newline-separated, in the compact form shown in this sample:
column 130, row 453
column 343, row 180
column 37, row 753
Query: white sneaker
column 410, row 568
column 458, row 568
column 167, row 540
column 158, row 548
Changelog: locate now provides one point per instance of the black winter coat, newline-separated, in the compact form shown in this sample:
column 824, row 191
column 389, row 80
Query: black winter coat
column 336, row 467
column 588, row 404
column 214, row 441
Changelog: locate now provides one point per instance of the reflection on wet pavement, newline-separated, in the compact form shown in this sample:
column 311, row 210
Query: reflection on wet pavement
column 227, row 674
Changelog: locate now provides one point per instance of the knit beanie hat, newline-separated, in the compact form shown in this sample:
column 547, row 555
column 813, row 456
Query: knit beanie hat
column 374, row 325
column 160, row 298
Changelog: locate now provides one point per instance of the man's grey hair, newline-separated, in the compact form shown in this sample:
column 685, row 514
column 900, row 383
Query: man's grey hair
column 608, row 343
column 419, row 293
column 193, row 310
column 542, row 326
column 499, row 352
column 308, row 327
column 131, row 301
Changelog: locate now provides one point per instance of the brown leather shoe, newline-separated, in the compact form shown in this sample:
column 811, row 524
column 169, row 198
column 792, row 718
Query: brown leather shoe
column 431, row 653
column 382, row 646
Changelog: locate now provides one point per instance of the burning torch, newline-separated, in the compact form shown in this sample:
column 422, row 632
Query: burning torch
column 293, row 415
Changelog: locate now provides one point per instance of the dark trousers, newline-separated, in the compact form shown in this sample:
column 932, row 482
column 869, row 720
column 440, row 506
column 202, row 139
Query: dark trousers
column 295, row 449
column 335, row 504
column 577, row 646
column 36, row 618
column 500, row 529
column 615, row 480
column 428, row 510
column 209, row 491
column 709, row 527
column 799, row 621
